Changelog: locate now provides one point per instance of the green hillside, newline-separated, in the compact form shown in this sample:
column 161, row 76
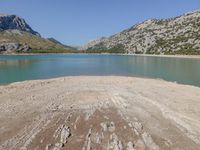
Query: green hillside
column 36, row 43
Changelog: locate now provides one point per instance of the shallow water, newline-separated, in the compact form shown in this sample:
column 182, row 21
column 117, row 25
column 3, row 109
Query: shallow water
column 27, row 67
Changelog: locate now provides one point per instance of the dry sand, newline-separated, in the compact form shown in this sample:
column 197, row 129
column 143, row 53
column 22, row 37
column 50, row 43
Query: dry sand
column 88, row 113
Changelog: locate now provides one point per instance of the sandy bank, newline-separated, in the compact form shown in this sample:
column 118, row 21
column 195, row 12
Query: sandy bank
column 150, row 55
column 99, row 113
column 167, row 56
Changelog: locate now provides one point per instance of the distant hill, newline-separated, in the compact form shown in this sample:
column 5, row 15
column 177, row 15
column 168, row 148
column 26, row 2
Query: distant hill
column 180, row 35
column 57, row 42
column 17, row 36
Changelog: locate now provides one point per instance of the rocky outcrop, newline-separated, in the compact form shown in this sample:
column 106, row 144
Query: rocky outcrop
column 14, row 22
column 164, row 36
column 13, row 47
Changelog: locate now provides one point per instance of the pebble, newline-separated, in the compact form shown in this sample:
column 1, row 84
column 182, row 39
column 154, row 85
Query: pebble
column 48, row 146
column 130, row 146
column 108, row 126
column 116, row 144
column 65, row 134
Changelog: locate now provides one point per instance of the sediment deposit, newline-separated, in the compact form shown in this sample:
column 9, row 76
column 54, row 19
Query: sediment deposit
column 86, row 113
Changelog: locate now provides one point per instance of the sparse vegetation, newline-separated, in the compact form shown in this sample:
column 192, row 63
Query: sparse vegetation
column 183, row 52
column 101, row 49
column 164, row 36
column 36, row 43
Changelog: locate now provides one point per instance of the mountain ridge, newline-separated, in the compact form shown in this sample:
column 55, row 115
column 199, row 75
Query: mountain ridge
column 178, row 35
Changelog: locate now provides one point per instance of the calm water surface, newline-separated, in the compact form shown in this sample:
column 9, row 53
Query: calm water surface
column 28, row 67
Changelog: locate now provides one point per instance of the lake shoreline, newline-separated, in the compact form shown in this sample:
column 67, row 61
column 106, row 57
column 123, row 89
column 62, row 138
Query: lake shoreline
column 149, row 55
column 125, row 76
column 127, row 107
column 169, row 56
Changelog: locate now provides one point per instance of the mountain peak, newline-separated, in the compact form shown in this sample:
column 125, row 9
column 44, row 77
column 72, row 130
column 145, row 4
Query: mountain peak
column 10, row 22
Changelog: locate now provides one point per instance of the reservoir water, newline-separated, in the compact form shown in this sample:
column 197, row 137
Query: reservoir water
column 16, row 68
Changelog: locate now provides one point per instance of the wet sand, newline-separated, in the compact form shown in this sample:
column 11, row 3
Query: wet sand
column 87, row 113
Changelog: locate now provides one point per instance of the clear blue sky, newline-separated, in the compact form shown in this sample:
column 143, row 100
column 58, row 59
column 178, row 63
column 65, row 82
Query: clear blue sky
column 75, row 22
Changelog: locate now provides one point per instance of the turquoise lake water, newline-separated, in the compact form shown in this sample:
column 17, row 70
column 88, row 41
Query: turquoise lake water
column 29, row 67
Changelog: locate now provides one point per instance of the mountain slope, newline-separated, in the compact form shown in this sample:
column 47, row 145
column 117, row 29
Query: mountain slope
column 57, row 42
column 17, row 36
column 180, row 35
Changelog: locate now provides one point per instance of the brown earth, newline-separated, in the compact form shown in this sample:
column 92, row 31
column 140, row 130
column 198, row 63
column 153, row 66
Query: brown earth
column 108, row 113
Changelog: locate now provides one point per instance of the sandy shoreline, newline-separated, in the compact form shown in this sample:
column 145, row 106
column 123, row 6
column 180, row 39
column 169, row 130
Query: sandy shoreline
column 167, row 56
column 149, row 55
column 106, row 112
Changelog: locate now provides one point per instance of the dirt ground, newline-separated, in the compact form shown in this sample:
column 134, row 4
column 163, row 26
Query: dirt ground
column 99, row 113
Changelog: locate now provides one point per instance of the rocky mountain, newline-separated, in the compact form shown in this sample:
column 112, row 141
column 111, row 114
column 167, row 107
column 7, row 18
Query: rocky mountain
column 180, row 35
column 14, row 22
column 17, row 36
